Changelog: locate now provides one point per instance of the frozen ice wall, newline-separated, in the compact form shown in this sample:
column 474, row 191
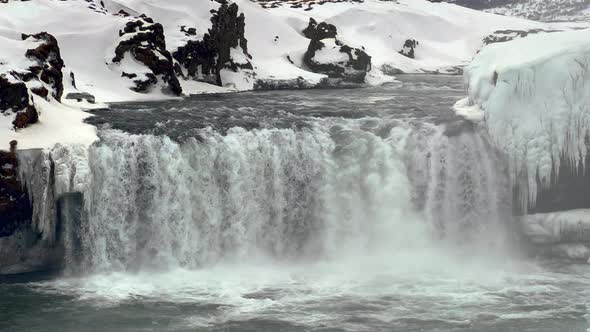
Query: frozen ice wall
column 535, row 97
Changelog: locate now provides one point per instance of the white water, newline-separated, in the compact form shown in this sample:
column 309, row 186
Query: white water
column 352, row 224
column 337, row 190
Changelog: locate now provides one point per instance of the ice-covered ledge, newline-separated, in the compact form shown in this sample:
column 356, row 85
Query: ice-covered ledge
column 534, row 95
column 565, row 233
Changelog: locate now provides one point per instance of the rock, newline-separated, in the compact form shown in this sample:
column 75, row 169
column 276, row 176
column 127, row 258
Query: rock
column 409, row 48
column 49, row 62
column 43, row 78
column 14, row 97
column 80, row 96
column 331, row 57
column 144, row 40
column 205, row 59
column 320, row 31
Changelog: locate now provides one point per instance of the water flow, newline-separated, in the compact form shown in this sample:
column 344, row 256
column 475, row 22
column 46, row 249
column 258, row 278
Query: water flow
column 327, row 192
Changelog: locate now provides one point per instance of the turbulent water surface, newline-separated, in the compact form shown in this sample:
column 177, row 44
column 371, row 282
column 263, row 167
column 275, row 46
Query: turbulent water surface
column 324, row 210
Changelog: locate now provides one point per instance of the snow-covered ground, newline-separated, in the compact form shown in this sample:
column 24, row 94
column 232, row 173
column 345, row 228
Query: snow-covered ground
column 88, row 33
column 535, row 102
column 538, row 10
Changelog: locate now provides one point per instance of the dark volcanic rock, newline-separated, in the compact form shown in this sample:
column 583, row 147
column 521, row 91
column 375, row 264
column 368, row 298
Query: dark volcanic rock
column 343, row 62
column 15, row 207
column 409, row 48
column 49, row 63
column 320, row 31
column 205, row 59
column 143, row 39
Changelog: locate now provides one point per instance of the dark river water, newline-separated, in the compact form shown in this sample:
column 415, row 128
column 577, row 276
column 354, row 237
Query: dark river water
column 370, row 209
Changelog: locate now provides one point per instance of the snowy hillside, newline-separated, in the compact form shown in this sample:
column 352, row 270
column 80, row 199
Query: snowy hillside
column 538, row 10
column 126, row 50
column 535, row 106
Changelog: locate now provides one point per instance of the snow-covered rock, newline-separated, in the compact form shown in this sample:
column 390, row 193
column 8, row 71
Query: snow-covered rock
column 409, row 48
column 142, row 56
column 535, row 103
column 36, row 70
column 329, row 56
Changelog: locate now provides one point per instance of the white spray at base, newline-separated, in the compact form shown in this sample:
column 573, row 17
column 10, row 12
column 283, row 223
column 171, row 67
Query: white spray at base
column 325, row 193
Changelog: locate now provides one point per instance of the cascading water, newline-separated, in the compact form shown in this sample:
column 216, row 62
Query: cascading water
column 370, row 210
column 324, row 192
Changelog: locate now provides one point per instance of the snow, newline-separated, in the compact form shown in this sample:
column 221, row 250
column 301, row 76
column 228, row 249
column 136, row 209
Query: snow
column 559, row 227
column 449, row 36
column 330, row 53
column 58, row 123
column 563, row 234
column 536, row 99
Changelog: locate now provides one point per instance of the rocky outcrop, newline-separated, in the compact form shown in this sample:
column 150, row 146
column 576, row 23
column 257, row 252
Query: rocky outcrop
column 223, row 47
column 43, row 77
column 409, row 48
column 144, row 41
column 327, row 55
column 49, row 63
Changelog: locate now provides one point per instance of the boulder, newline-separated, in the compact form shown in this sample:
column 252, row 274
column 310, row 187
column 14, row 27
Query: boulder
column 144, row 41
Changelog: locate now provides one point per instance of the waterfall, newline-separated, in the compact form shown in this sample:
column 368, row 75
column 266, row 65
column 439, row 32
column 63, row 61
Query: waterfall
column 323, row 192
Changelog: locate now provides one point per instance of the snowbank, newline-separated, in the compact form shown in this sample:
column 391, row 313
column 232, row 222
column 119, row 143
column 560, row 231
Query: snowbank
column 559, row 227
column 535, row 94
column 561, row 234
column 58, row 123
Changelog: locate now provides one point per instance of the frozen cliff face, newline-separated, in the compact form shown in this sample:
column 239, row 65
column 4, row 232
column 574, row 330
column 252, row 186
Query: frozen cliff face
column 535, row 107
